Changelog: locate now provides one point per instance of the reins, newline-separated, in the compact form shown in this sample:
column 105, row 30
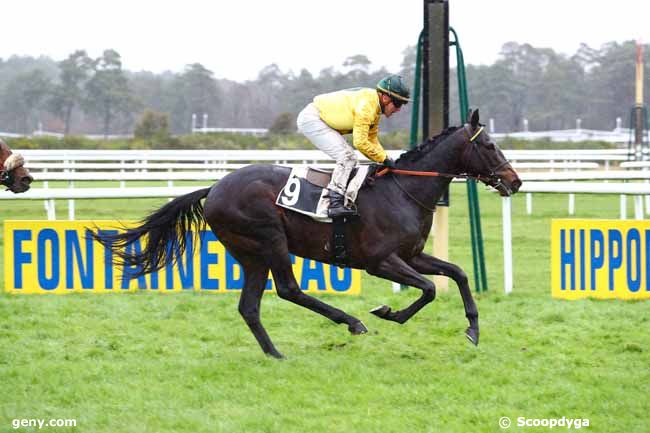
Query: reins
column 418, row 202
column 387, row 170
column 384, row 171
column 471, row 145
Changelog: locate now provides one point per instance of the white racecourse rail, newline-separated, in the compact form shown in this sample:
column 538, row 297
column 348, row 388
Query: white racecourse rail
column 636, row 189
column 296, row 156
column 212, row 165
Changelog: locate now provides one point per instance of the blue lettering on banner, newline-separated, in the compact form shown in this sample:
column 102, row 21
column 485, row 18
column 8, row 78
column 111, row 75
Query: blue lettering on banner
column 20, row 258
column 73, row 248
column 233, row 267
column 185, row 267
column 208, row 259
column 582, row 259
column 633, row 260
column 129, row 272
column 567, row 258
column 340, row 284
column 312, row 270
column 108, row 259
column 46, row 236
column 615, row 259
column 63, row 257
column 597, row 260
column 647, row 260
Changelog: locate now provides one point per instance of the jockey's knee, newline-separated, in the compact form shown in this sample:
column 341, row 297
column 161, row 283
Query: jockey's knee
column 349, row 158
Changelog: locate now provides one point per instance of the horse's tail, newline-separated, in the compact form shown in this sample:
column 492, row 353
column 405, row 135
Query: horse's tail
column 165, row 231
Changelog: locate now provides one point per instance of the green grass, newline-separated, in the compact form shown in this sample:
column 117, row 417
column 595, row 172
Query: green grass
column 187, row 362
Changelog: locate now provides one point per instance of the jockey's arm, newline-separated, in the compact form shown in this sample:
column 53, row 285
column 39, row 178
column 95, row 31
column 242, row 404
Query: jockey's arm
column 365, row 137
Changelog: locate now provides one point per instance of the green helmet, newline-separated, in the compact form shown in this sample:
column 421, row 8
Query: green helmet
column 394, row 86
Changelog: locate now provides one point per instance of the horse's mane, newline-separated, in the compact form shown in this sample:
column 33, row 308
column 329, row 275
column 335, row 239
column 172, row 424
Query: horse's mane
column 427, row 146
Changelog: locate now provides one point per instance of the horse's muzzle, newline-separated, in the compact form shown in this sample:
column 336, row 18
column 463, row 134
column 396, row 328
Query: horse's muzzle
column 508, row 183
column 21, row 184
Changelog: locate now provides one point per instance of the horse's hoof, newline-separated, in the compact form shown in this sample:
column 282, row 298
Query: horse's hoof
column 275, row 354
column 357, row 328
column 381, row 311
column 472, row 335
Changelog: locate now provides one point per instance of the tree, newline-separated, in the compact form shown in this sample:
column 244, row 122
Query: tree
column 611, row 84
column 357, row 63
column 69, row 93
column 153, row 127
column 268, row 91
column 195, row 92
column 108, row 93
column 24, row 98
column 285, row 123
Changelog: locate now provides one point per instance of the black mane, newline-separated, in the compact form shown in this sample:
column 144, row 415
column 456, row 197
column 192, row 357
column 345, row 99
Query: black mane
column 426, row 147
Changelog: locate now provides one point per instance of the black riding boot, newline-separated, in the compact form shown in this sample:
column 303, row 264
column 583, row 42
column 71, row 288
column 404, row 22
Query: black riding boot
column 337, row 209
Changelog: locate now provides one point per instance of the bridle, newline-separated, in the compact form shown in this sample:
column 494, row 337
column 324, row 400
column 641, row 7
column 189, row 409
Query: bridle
column 492, row 178
column 5, row 176
column 471, row 146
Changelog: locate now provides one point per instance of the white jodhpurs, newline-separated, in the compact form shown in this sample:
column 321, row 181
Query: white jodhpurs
column 333, row 144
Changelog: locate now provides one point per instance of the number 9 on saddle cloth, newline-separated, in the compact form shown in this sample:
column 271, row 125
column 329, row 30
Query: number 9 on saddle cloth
column 306, row 190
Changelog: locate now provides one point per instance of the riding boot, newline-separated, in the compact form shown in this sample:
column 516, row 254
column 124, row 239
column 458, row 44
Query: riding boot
column 337, row 208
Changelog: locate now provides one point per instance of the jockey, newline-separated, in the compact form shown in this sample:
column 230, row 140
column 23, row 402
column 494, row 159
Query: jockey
column 357, row 111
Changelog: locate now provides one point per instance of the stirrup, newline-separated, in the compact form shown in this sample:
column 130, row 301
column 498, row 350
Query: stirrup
column 341, row 211
column 337, row 206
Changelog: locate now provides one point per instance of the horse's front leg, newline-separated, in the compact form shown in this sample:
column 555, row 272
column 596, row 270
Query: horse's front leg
column 395, row 269
column 429, row 265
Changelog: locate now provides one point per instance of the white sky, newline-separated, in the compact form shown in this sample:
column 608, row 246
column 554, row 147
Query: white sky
column 235, row 39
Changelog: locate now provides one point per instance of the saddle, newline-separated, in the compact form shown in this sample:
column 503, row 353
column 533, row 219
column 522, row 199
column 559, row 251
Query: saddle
column 306, row 189
column 306, row 192
column 321, row 176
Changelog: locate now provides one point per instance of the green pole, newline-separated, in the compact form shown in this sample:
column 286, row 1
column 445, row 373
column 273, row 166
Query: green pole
column 415, row 113
column 478, row 260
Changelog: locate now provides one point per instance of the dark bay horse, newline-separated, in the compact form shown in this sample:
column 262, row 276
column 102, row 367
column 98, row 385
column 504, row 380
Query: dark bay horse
column 387, row 240
column 12, row 173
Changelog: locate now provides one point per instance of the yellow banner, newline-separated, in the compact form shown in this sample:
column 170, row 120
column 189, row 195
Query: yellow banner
column 605, row 259
column 58, row 257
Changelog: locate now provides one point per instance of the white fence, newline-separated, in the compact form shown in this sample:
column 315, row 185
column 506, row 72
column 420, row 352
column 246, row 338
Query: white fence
column 207, row 166
column 280, row 156
column 617, row 135
column 211, row 165
column 638, row 190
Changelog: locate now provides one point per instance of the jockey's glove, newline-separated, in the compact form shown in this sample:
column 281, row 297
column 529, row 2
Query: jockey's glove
column 388, row 162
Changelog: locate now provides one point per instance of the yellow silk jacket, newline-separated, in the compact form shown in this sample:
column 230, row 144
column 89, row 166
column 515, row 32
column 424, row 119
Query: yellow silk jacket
column 357, row 111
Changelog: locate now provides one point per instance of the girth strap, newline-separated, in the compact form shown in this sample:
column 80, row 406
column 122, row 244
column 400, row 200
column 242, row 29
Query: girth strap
column 339, row 250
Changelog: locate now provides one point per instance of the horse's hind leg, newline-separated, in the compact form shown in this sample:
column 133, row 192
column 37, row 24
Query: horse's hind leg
column 255, row 277
column 287, row 288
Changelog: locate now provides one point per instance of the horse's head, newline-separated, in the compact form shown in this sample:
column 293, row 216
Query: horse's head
column 483, row 158
column 12, row 173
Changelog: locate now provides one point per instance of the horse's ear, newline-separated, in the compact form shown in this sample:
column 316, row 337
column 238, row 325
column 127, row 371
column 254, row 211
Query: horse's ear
column 473, row 118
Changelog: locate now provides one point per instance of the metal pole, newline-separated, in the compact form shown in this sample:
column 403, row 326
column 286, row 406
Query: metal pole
column 435, row 107
column 478, row 259
column 506, row 211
